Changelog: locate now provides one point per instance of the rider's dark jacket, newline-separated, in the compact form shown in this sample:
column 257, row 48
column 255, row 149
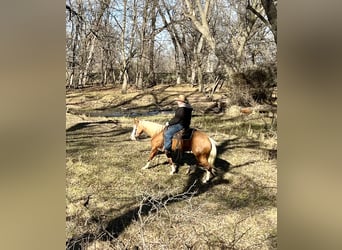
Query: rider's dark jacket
column 182, row 116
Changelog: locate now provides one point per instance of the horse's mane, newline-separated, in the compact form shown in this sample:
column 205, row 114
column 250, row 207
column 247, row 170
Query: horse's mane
column 151, row 123
column 152, row 127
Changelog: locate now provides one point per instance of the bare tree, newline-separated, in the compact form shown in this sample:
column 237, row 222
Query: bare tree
column 72, row 17
column 199, row 16
column 173, row 34
column 270, row 9
column 153, row 15
column 118, row 41
column 142, row 49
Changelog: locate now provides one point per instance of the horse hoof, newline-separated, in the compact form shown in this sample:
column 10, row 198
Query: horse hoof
column 190, row 170
column 147, row 166
column 206, row 182
column 174, row 171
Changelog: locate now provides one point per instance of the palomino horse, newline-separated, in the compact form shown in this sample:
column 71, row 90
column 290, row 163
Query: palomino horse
column 202, row 146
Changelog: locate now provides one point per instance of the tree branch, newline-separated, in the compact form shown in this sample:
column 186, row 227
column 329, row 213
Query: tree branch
column 72, row 11
column 255, row 12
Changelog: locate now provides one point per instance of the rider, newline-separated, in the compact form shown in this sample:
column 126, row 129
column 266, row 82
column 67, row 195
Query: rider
column 181, row 120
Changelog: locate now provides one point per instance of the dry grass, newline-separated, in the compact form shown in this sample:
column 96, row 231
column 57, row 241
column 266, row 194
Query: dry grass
column 130, row 208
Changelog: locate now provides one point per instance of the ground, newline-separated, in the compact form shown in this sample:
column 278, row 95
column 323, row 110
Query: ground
column 113, row 204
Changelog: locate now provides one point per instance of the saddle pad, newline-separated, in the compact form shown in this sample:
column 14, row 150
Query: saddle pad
column 184, row 134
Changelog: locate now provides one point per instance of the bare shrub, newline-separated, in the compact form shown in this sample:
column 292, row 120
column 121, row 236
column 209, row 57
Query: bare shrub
column 189, row 225
column 254, row 85
column 239, row 92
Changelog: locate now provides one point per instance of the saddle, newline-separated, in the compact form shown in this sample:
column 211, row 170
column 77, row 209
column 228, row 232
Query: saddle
column 183, row 138
column 184, row 134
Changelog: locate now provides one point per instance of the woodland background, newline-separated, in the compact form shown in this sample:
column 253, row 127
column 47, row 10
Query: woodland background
column 202, row 43
column 132, row 58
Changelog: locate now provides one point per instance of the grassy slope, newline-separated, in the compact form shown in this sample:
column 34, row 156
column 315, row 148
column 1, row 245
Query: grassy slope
column 150, row 208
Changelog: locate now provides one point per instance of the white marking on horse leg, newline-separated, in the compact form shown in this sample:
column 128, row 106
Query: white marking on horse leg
column 207, row 176
column 174, row 169
column 190, row 169
column 147, row 166
column 133, row 133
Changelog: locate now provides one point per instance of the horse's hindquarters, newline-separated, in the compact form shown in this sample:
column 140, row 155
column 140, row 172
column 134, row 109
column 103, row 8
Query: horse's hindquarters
column 200, row 143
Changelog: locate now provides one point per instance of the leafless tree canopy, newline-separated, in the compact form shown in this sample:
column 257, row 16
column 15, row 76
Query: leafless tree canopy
column 144, row 43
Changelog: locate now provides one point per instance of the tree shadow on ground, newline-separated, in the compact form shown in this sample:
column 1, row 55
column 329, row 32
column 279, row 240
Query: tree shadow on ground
column 138, row 96
column 116, row 226
column 84, row 142
column 193, row 187
column 248, row 193
column 82, row 125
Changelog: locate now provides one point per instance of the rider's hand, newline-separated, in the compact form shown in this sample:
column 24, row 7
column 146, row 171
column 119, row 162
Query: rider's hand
column 166, row 124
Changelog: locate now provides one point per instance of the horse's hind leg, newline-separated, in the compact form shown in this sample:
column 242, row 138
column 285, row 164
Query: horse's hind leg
column 210, row 175
column 190, row 170
column 203, row 161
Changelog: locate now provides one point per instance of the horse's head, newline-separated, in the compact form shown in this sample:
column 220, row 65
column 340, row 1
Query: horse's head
column 137, row 129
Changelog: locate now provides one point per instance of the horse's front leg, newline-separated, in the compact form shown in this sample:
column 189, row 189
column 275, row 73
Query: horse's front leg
column 174, row 168
column 153, row 153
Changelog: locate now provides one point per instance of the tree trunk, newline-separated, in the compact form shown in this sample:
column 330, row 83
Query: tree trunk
column 193, row 73
column 124, row 82
column 199, row 64
column 89, row 59
column 271, row 13
column 71, row 80
column 187, row 67
column 175, row 41
column 123, row 52
column 103, row 69
column 74, row 56
column 104, row 81
column 199, row 18
column 151, row 73
column 140, row 63
column 178, row 69
column 202, row 24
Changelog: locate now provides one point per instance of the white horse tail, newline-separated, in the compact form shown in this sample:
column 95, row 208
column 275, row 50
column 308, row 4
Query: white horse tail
column 213, row 152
